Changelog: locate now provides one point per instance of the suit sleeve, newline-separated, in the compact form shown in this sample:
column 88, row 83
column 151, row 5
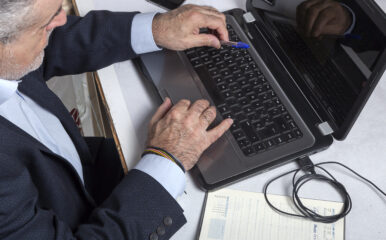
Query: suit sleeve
column 135, row 209
column 89, row 43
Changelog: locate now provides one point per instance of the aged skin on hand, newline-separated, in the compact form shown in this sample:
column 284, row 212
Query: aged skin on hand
column 179, row 29
column 182, row 129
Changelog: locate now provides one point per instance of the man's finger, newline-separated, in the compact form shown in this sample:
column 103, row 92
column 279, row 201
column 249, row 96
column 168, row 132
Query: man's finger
column 219, row 130
column 161, row 111
column 204, row 40
column 182, row 106
column 198, row 107
column 207, row 117
column 214, row 23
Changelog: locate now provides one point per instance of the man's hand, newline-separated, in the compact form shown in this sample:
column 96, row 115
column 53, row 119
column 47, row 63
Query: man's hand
column 180, row 29
column 317, row 17
column 182, row 129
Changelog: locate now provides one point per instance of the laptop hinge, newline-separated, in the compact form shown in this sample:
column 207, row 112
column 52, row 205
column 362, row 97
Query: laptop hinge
column 248, row 17
column 325, row 128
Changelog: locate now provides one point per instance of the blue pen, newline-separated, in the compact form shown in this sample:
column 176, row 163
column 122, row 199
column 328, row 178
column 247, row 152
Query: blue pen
column 234, row 44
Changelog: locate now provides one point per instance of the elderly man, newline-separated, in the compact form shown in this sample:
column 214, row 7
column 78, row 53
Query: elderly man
column 54, row 184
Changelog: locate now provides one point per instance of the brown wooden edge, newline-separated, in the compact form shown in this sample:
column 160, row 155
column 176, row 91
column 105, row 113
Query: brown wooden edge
column 75, row 7
column 111, row 123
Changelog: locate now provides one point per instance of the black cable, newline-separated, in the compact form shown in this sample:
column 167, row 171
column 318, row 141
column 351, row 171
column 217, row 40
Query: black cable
column 308, row 167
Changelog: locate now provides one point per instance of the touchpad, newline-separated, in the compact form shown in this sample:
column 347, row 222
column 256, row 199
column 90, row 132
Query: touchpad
column 170, row 76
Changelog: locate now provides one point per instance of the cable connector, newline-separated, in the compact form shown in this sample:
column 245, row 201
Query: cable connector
column 306, row 164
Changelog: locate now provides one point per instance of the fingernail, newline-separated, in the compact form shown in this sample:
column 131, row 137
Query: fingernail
column 215, row 43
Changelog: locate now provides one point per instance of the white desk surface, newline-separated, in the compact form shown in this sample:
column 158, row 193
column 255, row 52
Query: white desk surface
column 363, row 150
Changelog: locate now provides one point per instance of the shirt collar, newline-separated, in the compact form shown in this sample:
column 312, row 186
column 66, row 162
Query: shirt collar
column 7, row 89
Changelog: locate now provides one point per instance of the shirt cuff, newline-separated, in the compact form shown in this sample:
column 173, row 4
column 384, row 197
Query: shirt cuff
column 142, row 40
column 349, row 30
column 166, row 172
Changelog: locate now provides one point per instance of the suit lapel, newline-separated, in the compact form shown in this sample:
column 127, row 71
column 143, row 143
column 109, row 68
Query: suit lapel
column 28, row 139
column 10, row 126
column 39, row 92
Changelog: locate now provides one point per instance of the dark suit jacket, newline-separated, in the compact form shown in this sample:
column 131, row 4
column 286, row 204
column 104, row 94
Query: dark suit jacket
column 41, row 195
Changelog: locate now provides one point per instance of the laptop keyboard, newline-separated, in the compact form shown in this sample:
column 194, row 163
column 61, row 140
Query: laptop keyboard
column 241, row 92
column 329, row 85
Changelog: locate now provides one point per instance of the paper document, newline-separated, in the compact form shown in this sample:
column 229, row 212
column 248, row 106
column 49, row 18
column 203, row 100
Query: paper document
column 239, row 215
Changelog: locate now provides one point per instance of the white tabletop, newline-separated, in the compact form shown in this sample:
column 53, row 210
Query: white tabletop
column 131, row 105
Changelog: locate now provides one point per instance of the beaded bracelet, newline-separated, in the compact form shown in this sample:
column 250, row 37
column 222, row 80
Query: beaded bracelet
column 163, row 153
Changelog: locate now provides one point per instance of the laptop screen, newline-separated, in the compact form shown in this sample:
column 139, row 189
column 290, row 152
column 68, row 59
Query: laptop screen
column 334, row 50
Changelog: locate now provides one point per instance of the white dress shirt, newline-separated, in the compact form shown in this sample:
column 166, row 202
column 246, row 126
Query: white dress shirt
column 46, row 127
column 37, row 122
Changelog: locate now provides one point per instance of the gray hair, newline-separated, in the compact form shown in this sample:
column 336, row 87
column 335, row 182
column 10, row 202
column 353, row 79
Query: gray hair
column 15, row 16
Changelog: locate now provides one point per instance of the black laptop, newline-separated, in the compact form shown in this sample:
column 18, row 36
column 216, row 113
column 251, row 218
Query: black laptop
column 289, row 95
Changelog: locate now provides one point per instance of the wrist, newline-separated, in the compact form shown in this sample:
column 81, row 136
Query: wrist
column 157, row 28
column 163, row 153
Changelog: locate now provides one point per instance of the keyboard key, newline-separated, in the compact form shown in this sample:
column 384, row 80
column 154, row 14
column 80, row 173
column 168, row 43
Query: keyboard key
column 269, row 144
column 230, row 80
column 260, row 147
column 244, row 143
column 252, row 97
column 239, row 75
column 229, row 61
column 225, row 73
column 235, row 87
column 249, row 151
column 236, row 109
column 239, row 94
column 223, row 87
column 239, row 134
column 228, row 115
column 217, row 59
column 222, row 66
column 218, row 80
column 282, row 125
column 210, row 65
column 196, row 63
column 248, row 109
column 241, row 117
column 292, row 125
column 298, row 133
column 278, row 140
column 206, row 59
column 231, row 101
column 274, row 112
column 289, row 136
column 235, row 126
column 227, row 94
column 214, row 53
column 214, row 72
column 223, row 108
